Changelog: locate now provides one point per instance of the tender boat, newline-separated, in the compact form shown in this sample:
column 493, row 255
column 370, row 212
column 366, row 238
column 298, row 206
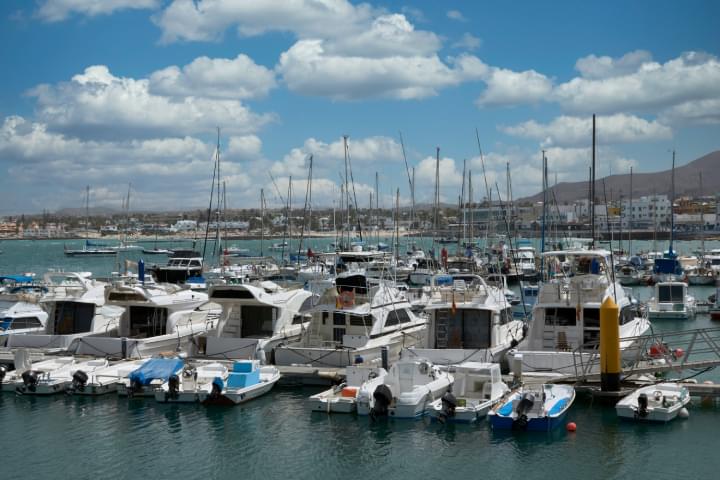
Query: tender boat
column 343, row 398
column 671, row 301
column 194, row 379
column 247, row 380
column 68, row 375
column 27, row 374
column 655, row 403
column 144, row 380
column 409, row 387
column 104, row 380
column 468, row 321
column 478, row 387
column 533, row 408
column 255, row 319
column 351, row 324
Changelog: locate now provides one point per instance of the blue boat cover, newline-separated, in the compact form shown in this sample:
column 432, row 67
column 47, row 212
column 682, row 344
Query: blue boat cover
column 16, row 278
column 197, row 280
column 443, row 280
column 668, row 266
column 156, row 368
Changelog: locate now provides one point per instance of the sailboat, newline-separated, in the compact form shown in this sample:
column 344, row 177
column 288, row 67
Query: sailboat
column 89, row 248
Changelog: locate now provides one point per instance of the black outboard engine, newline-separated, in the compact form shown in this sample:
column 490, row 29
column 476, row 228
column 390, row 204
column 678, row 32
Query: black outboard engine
column 216, row 390
column 30, row 380
column 523, row 407
column 642, row 405
column 449, row 403
column 135, row 387
column 173, row 387
column 383, row 397
column 79, row 380
column 3, row 371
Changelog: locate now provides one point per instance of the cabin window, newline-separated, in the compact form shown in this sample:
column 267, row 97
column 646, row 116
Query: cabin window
column 396, row 317
column 560, row 317
column 257, row 321
column 195, row 263
column 325, row 316
column 627, row 315
column 338, row 334
column 591, row 336
column 671, row 293
column 298, row 320
column 360, row 320
column 241, row 293
column 339, row 318
column 591, row 317
column 25, row 322
column 73, row 317
column 147, row 321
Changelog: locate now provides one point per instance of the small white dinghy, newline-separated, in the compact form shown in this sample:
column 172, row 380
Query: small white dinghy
column 343, row 398
column 103, row 380
column 409, row 387
column 477, row 388
column 246, row 381
column 27, row 375
column 68, row 376
column 655, row 403
column 194, row 379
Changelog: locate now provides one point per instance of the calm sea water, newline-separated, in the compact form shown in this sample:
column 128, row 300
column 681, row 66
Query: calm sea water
column 277, row 437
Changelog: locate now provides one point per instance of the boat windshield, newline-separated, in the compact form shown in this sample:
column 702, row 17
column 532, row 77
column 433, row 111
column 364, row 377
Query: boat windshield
column 671, row 293
column 463, row 329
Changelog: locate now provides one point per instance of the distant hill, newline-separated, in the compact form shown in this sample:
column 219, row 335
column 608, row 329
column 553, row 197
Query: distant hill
column 80, row 212
column 686, row 182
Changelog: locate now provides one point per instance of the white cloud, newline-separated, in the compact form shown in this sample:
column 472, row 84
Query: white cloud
column 506, row 87
column 204, row 20
column 706, row 111
column 576, row 131
column 468, row 41
column 456, row 15
column 651, row 87
column 166, row 173
column 58, row 10
column 603, row 67
column 96, row 104
column 328, row 158
column 450, row 179
column 309, row 69
column 237, row 78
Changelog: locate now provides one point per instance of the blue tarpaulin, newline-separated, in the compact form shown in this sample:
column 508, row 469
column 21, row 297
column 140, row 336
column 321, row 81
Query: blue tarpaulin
column 16, row 278
column 160, row 368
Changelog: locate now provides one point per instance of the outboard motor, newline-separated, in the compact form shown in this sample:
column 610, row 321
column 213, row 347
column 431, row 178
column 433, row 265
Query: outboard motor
column 173, row 387
column 3, row 371
column 217, row 386
column 523, row 407
column 449, row 403
column 30, row 380
column 135, row 387
column 383, row 397
column 79, row 380
column 642, row 405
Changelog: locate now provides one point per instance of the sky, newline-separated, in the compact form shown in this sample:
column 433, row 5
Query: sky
column 109, row 93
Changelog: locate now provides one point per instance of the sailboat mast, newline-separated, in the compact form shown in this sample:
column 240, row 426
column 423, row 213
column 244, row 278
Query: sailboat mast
column 472, row 214
column 87, row 214
column 702, row 220
column 672, row 203
column 347, row 191
column 630, row 220
column 218, row 203
column 397, row 225
column 592, row 187
column 262, row 221
column 436, row 224
column 544, row 211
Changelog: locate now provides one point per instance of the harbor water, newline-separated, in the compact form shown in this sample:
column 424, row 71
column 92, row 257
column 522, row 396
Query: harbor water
column 276, row 436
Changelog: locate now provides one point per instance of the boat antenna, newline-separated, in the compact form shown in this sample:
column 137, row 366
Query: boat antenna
column 612, row 257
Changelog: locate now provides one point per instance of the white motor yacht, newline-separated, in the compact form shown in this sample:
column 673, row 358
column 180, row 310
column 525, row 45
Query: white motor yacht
column 255, row 319
column 671, row 301
column 76, row 308
column 157, row 318
column 468, row 321
column 564, row 335
column 351, row 324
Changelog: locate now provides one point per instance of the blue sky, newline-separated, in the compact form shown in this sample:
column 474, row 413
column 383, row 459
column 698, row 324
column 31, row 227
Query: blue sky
column 107, row 92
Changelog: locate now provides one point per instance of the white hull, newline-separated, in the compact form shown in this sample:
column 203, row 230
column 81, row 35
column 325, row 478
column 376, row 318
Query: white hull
column 664, row 402
column 267, row 382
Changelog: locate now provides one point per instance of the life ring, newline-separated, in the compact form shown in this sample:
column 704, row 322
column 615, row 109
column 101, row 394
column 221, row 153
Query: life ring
column 347, row 298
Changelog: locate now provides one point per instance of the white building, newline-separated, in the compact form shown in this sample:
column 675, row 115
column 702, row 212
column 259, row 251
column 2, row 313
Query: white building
column 647, row 211
column 185, row 226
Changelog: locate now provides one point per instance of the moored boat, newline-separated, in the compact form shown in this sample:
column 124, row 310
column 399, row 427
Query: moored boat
column 533, row 408
column 247, row 380
column 655, row 403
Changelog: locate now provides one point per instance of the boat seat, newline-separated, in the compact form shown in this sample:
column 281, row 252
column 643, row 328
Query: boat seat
column 243, row 380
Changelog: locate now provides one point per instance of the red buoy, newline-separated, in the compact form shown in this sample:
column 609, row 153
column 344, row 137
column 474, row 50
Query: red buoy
column 571, row 427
